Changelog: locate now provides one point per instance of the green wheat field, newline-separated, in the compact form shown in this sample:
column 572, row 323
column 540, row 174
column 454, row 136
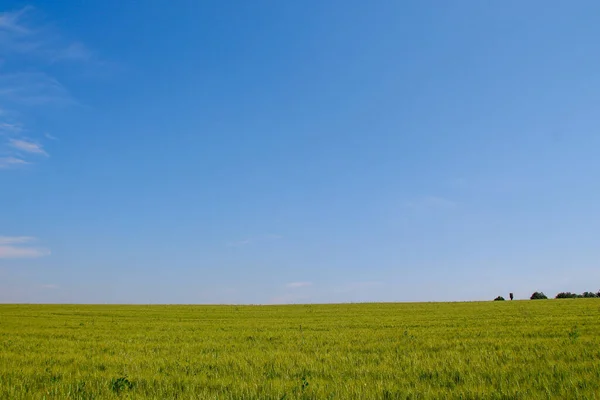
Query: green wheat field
column 544, row 349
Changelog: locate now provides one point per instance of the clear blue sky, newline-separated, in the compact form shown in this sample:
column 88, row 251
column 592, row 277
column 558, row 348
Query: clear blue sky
column 283, row 152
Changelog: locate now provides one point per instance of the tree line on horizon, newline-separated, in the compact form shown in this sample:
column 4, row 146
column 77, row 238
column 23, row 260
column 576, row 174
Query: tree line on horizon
column 561, row 295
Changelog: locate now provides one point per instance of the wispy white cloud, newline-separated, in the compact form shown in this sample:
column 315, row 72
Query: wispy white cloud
column 10, row 21
column 31, row 89
column 238, row 243
column 31, row 49
column 22, row 252
column 298, row 284
column 20, row 247
column 9, row 128
column 76, row 51
column 50, row 286
column 25, row 32
column 11, row 162
column 27, row 146
column 16, row 239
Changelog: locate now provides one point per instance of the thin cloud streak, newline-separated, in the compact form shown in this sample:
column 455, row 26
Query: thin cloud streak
column 9, row 21
column 31, row 48
column 24, row 32
column 49, row 286
column 74, row 52
column 239, row 243
column 33, row 89
column 27, row 146
column 22, row 252
column 5, row 127
column 16, row 239
column 18, row 247
column 11, row 162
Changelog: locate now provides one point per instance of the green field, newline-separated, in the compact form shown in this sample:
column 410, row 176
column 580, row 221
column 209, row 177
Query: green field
column 493, row 350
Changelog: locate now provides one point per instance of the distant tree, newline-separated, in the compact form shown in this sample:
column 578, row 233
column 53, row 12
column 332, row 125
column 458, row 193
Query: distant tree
column 566, row 295
column 538, row 296
column 499, row 298
column 569, row 295
column 511, row 296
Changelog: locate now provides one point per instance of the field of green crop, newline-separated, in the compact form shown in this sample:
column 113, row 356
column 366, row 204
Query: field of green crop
column 493, row 350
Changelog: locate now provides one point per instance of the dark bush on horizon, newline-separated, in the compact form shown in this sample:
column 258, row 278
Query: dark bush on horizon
column 499, row 298
column 538, row 296
column 567, row 295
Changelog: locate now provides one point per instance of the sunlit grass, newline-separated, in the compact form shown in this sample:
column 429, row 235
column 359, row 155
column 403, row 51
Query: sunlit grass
column 498, row 350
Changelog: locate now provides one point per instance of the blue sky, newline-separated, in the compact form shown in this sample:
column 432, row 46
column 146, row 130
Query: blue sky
column 292, row 152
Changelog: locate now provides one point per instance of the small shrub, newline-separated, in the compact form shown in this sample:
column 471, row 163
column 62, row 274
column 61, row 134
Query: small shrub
column 304, row 385
column 589, row 295
column 574, row 334
column 119, row 384
column 538, row 296
column 499, row 298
